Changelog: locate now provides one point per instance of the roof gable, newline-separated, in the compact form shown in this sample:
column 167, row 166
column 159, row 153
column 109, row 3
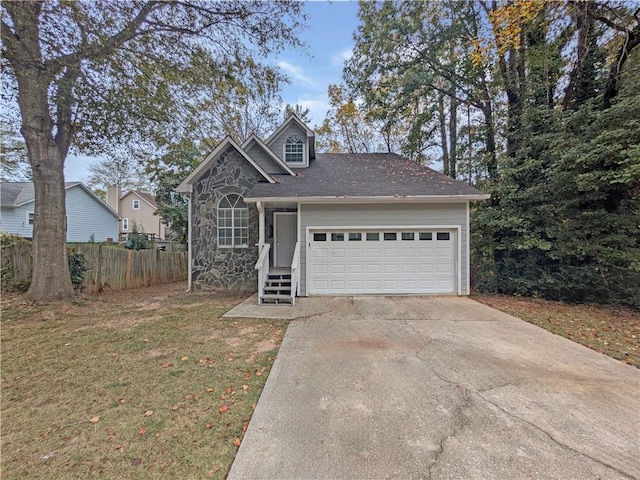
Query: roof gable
column 254, row 140
column 146, row 197
column 16, row 194
column 187, row 183
column 293, row 118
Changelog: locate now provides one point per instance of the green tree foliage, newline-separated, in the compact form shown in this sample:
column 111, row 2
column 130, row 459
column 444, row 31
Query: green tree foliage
column 413, row 68
column 535, row 102
column 121, row 169
column 303, row 113
column 563, row 219
column 167, row 171
column 86, row 73
column 14, row 166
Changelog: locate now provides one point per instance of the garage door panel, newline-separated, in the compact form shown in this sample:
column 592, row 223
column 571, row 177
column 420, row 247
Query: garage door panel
column 373, row 268
column 320, row 269
column 356, row 268
column 337, row 268
column 360, row 262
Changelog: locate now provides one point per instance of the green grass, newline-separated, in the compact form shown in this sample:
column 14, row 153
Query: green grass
column 155, row 365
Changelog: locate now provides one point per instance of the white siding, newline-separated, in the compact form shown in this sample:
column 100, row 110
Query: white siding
column 277, row 144
column 14, row 220
column 446, row 214
column 87, row 216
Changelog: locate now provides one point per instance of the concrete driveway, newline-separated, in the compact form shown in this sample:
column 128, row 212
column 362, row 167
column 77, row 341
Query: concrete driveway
column 439, row 388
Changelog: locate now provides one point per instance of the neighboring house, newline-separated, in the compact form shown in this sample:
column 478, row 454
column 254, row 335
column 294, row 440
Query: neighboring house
column 88, row 217
column 275, row 217
column 136, row 208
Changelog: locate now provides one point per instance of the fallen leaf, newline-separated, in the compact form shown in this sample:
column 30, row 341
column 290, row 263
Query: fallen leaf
column 175, row 407
column 228, row 391
column 148, row 413
column 247, row 376
column 210, row 389
column 236, row 442
column 136, row 461
column 258, row 373
column 245, row 425
column 185, row 358
column 142, row 431
column 95, row 419
column 166, row 364
column 245, row 387
column 118, row 447
column 188, row 396
column 223, row 409
column 223, row 397
column 111, row 433
column 208, row 425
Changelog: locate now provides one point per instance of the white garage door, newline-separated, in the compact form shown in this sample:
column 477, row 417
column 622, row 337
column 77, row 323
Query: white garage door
column 361, row 261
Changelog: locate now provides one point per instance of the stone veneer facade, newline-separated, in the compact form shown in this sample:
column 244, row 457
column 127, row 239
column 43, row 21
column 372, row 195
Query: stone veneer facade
column 231, row 269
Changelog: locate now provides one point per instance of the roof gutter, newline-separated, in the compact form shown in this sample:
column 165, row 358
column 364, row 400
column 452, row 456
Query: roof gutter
column 372, row 199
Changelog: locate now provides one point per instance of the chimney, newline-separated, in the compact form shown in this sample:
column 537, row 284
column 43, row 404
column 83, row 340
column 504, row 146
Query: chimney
column 113, row 197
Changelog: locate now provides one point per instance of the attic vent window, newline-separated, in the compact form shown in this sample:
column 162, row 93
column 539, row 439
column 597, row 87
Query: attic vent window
column 294, row 150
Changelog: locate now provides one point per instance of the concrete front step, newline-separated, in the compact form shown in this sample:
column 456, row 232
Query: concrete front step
column 276, row 298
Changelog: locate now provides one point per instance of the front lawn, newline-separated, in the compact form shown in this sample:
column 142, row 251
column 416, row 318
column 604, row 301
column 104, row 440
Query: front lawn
column 609, row 330
column 150, row 383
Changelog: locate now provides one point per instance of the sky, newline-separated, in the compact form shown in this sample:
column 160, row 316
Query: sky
column 329, row 38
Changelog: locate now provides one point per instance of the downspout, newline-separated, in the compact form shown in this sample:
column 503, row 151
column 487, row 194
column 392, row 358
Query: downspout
column 189, row 246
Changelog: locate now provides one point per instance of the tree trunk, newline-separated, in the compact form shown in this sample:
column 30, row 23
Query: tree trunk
column 490, row 141
column 453, row 133
column 50, row 278
column 443, row 133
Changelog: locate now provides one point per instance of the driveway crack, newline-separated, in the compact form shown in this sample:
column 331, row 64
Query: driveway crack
column 550, row 436
column 460, row 420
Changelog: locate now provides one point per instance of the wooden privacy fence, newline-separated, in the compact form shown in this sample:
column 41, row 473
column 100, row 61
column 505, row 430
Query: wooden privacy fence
column 112, row 267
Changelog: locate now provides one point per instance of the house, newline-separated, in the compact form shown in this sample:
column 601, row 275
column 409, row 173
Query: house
column 136, row 208
column 276, row 217
column 88, row 217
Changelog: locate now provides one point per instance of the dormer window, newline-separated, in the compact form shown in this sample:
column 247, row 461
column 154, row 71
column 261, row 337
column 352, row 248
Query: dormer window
column 294, row 150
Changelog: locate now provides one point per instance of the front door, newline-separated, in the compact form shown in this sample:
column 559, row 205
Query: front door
column 284, row 237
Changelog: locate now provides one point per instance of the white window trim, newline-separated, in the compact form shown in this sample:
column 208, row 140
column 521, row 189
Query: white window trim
column 30, row 220
column 133, row 204
column 304, row 152
column 233, row 228
column 125, row 224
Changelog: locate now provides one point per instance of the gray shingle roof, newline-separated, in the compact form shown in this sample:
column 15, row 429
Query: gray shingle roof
column 13, row 194
column 362, row 175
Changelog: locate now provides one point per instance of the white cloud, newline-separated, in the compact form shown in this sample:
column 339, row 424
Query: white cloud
column 318, row 107
column 338, row 59
column 296, row 73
